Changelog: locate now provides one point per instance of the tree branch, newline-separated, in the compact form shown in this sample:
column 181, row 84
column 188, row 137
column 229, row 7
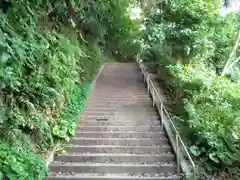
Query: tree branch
column 225, row 69
column 231, row 65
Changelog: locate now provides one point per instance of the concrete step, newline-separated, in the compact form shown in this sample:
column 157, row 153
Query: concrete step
column 137, row 113
column 112, row 168
column 122, row 91
column 124, row 128
column 127, row 90
column 119, row 123
column 79, row 149
column 119, row 95
column 119, row 135
column 123, row 99
column 116, row 105
column 119, row 117
column 115, row 110
column 126, row 96
column 120, row 101
column 116, row 158
column 123, row 88
column 133, row 134
column 120, row 141
column 106, row 176
column 97, row 101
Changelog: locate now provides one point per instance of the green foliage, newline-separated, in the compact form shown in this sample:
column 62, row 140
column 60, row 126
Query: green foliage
column 121, row 34
column 69, row 116
column 104, row 22
column 191, row 44
column 212, row 110
column 49, row 50
column 191, row 32
column 19, row 163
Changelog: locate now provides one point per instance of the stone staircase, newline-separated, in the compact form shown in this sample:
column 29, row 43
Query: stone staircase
column 119, row 135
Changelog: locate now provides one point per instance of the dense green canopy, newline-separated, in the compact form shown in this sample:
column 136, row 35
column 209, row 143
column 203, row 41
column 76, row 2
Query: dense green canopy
column 197, row 55
column 49, row 51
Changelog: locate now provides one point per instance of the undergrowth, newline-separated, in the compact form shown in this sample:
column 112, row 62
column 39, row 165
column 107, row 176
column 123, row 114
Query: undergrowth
column 66, row 125
column 196, row 56
column 49, row 52
column 18, row 163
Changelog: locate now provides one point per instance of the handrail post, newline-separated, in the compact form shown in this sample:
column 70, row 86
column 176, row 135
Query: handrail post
column 178, row 157
column 148, row 85
column 194, row 174
column 161, row 114
column 144, row 77
column 153, row 97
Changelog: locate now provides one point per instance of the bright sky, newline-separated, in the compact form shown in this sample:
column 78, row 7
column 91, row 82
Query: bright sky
column 135, row 13
column 234, row 7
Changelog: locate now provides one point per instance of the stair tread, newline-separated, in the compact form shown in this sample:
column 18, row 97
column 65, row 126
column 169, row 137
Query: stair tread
column 121, row 128
column 106, row 138
column 129, row 144
column 129, row 132
column 114, row 154
column 119, row 134
column 117, row 146
column 113, row 168
column 126, row 126
column 109, row 164
column 145, row 176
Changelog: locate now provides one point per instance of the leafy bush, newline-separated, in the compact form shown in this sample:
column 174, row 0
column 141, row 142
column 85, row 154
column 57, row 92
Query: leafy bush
column 37, row 75
column 69, row 116
column 49, row 51
column 191, row 32
column 212, row 110
column 19, row 163
column 191, row 43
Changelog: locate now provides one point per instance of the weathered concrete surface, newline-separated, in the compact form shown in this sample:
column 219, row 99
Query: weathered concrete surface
column 119, row 136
